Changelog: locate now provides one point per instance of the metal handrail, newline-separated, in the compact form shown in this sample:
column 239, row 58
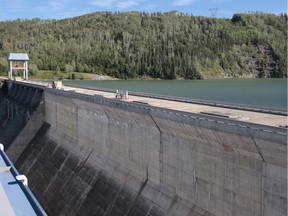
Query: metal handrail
column 29, row 195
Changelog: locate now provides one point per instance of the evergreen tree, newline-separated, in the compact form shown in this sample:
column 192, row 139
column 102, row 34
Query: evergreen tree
column 158, row 45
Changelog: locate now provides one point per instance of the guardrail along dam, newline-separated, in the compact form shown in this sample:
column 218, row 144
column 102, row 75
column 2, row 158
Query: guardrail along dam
column 92, row 155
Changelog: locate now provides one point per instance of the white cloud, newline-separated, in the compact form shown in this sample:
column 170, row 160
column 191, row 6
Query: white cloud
column 126, row 4
column 56, row 4
column 14, row 5
column 103, row 3
column 115, row 3
column 72, row 13
column 183, row 2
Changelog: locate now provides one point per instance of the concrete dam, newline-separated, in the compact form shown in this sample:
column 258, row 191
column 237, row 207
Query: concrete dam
column 90, row 155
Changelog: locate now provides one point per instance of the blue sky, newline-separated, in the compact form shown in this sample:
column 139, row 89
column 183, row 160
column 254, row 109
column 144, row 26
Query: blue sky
column 60, row 9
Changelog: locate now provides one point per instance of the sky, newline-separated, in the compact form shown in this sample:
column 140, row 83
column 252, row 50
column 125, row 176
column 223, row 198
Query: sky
column 61, row 9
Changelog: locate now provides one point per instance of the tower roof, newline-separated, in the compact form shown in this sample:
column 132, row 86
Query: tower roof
column 18, row 57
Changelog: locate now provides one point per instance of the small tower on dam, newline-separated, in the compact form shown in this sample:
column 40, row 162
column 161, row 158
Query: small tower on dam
column 18, row 61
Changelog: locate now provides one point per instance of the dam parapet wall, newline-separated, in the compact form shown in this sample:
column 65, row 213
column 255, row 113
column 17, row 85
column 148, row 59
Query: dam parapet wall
column 98, row 156
column 275, row 134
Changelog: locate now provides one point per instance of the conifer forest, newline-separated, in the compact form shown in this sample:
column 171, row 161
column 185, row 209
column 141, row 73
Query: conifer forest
column 171, row 45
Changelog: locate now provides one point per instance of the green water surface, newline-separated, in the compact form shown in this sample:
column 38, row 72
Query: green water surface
column 256, row 92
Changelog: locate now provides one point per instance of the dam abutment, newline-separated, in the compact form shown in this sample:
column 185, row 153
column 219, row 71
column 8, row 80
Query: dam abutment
column 97, row 156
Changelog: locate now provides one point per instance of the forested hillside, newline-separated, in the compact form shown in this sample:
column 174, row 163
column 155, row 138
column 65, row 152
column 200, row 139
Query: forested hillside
column 158, row 45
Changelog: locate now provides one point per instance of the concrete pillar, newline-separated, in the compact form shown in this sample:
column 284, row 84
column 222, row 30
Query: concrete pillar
column 10, row 70
column 25, row 72
column 26, row 69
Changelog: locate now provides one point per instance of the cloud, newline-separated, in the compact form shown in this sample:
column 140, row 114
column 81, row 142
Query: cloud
column 183, row 2
column 126, row 4
column 56, row 5
column 114, row 3
column 14, row 5
column 72, row 13
column 103, row 3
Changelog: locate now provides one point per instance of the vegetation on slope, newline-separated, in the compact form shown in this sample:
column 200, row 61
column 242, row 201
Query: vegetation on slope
column 158, row 45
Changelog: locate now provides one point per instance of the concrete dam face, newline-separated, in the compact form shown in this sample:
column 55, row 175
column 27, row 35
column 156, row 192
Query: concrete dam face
column 88, row 155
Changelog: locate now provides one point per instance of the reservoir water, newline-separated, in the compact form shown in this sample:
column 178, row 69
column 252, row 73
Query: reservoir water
column 256, row 92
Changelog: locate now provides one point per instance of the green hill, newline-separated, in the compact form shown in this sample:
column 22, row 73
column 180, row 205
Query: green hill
column 158, row 45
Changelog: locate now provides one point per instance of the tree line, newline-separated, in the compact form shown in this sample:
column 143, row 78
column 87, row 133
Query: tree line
column 155, row 45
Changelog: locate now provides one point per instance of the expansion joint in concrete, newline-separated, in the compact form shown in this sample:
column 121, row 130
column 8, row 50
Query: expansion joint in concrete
column 138, row 195
column 108, row 118
column 74, row 104
column 258, row 149
column 84, row 162
column 262, row 179
column 262, row 189
column 33, row 97
column 113, row 201
column 160, row 150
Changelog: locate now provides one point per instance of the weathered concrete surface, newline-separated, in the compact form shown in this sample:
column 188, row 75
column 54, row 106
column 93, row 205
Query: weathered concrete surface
column 70, row 184
column 18, row 119
column 17, row 147
column 99, row 158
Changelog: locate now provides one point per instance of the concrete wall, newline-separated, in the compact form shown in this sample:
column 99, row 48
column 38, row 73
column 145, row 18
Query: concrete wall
column 20, row 116
column 101, row 157
column 26, row 134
